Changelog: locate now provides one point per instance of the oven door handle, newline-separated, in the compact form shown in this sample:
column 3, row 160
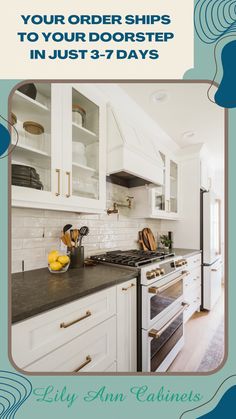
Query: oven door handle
column 158, row 290
column 153, row 333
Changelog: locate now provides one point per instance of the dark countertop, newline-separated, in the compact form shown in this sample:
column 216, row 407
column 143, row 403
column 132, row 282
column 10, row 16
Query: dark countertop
column 34, row 292
column 186, row 252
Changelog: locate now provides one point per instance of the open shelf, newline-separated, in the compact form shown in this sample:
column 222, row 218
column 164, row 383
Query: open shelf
column 27, row 109
column 84, row 168
column 83, row 135
column 24, row 100
column 30, row 149
column 30, row 157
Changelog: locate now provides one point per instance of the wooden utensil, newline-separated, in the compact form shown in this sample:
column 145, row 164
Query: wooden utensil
column 75, row 236
column 63, row 239
column 68, row 240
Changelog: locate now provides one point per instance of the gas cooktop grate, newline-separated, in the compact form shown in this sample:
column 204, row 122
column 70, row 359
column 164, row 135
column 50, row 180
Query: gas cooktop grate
column 135, row 258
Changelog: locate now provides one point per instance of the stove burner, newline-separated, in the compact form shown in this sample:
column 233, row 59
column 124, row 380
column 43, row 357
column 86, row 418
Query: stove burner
column 135, row 258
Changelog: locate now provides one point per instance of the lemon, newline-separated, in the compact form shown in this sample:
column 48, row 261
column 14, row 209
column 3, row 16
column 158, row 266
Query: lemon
column 63, row 259
column 55, row 266
column 52, row 256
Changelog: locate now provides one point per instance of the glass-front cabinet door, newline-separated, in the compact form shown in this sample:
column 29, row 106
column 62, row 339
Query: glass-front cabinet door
column 35, row 161
column 173, row 187
column 165, row 198
column 85, row 157
column 159, row 192
column 59, row 147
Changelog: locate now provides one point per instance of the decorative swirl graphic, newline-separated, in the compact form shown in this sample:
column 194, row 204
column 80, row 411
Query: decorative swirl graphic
column 5, row 138
column 214, row 19
column 215, row 22
column 14, row 391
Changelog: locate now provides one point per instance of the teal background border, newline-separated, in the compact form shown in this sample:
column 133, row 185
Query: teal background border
column 207, row 385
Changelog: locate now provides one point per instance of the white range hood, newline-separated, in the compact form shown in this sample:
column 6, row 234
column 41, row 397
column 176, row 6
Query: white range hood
column 132, row 158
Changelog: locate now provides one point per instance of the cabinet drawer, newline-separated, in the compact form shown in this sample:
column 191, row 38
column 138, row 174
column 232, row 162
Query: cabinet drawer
column 34, row 338
column 194, row 261
column 193, row 279
column 93, row 351
column 193, row 295
column 190, row 311
column 193, row 298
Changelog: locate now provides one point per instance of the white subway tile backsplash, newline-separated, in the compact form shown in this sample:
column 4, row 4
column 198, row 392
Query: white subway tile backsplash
column 36, row 232
column 28, row 254
column 33, row 222
column 30, row 232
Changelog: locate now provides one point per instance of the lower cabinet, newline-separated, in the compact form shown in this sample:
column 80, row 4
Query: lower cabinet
column 95, row 350
column 96, row 333
column 192, row 286
column 127, row 327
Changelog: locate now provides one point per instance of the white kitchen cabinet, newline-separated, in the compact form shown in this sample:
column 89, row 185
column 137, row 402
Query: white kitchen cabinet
column 69, row 158
column 95, row 351
column 94, row 333
column 159, row 201
column 127, row 326
column 212, row 284
column 35, row 337
column 192, row 286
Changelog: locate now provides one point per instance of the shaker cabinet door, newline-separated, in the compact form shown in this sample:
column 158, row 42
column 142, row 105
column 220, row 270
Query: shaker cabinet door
column 59, row 159
column 36, row 138
column 127, row 326
column 83, row 148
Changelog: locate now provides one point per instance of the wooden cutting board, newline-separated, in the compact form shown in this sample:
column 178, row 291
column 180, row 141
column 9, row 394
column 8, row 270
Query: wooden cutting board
column 141, row 241
column 152, row 240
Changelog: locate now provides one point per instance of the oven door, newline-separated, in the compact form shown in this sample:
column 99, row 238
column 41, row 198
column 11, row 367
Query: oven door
column 161, row 298
column 162, row 343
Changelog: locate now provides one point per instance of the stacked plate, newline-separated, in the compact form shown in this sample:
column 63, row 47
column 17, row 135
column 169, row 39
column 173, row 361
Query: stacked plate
column 25, row 176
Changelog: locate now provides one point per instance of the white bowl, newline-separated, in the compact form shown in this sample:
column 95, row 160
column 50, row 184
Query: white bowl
column 78, row 148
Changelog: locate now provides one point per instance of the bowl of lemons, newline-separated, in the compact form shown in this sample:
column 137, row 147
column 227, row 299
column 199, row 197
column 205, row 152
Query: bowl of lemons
column 58, row 261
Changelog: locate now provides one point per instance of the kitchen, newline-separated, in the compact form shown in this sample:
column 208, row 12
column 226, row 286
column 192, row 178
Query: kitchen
column 127, row 161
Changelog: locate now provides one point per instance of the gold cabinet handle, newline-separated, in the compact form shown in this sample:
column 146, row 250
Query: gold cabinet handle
column 153, row 333
column 65, row 325
column 158, row 290
column 58, row 182
column 130, row 286
column 86, row 362
column 68, row 189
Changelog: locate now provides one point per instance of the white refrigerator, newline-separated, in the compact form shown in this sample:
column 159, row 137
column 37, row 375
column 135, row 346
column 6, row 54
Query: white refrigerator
column 211, row 250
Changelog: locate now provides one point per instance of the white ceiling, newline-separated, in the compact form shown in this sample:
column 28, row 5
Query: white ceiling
column 186, row 109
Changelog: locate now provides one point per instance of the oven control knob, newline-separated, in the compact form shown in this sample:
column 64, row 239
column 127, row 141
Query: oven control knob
column 150, row 275
column 178, row 263
column 162, row 271
column 158, row 272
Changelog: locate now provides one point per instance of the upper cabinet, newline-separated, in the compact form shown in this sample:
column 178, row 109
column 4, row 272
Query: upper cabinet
column 160, row 201
column 60, row 158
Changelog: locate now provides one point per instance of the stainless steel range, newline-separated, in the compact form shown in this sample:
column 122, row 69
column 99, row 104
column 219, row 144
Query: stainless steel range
column 160, row 304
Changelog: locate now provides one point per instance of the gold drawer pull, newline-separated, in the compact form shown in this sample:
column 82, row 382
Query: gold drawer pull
column 153, row 333
column 58, row 182
column 88, row 360
column 68, row 194
column 65, row 325
column 130, row 286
